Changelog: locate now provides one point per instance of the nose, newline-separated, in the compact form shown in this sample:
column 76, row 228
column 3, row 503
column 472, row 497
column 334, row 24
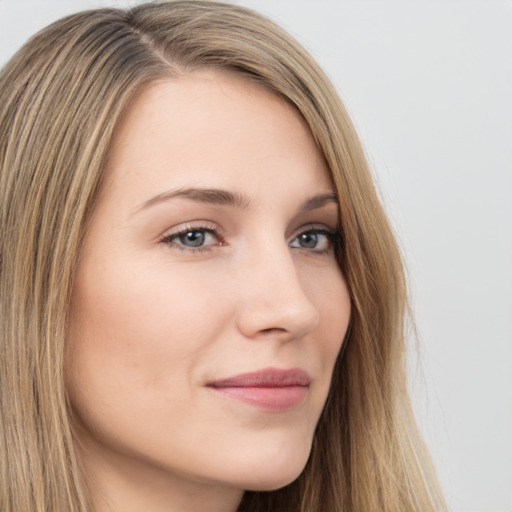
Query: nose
column 273, row 301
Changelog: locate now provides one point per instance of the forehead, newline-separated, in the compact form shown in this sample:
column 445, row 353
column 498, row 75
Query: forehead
column 213, row 129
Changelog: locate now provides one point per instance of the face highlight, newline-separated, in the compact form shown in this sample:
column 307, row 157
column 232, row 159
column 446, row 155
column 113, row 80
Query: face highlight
column 208, row 307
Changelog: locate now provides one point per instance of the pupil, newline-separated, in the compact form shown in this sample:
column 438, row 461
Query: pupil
column 192, row 239
column 308, row 240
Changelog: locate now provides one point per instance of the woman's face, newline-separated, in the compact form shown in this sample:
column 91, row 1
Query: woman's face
column 208, row 308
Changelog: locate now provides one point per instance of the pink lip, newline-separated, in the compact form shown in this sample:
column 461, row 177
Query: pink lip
column 272, row 388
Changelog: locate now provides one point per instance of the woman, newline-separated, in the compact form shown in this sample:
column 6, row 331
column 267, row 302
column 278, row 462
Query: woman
column 202, row 302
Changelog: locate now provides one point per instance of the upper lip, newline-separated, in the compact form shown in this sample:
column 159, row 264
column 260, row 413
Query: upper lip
column 266, row 378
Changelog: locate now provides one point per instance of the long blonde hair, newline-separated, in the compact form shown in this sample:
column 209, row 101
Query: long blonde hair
column 61, row 97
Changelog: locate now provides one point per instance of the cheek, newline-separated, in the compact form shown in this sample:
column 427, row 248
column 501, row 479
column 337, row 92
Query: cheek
column 329, row 292
column 338, row 304
column 137, row 332
column 336, row 312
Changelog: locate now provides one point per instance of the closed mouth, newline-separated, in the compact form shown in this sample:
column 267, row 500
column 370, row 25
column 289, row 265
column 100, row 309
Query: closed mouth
column 270, row 389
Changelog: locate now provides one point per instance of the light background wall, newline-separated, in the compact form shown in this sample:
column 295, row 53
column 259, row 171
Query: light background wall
column 429, row 85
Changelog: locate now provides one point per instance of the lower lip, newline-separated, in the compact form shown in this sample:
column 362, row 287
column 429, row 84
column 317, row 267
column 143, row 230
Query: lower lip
column 269, row 398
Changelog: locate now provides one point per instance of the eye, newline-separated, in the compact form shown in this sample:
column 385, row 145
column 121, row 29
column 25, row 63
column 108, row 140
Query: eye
column 193, row 238
column 316, row 239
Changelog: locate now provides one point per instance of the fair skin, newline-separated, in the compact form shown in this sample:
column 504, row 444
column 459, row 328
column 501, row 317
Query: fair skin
column 181, row 289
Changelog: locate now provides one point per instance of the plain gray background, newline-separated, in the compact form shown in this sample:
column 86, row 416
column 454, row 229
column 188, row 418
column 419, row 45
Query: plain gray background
column 429, row 85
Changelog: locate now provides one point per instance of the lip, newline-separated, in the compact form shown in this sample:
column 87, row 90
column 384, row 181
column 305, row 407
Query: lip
column 272, row 389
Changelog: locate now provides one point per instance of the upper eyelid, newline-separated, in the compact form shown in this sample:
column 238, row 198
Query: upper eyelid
column 318, row 227
column 192, row 226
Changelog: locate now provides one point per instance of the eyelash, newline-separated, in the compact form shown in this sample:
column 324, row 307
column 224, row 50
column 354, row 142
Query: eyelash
column 169, row 239
column 332, row 238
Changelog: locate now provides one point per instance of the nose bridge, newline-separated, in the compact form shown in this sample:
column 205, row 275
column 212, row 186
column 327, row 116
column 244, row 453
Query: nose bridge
column 274, row 298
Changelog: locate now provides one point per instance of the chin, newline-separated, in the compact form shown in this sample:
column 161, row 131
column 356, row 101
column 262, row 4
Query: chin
column 275, row 474
column 272, row 484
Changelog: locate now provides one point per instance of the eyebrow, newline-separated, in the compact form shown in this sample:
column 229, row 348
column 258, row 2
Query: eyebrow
column 201, row 195
column 233, row 199
column 318, row 201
